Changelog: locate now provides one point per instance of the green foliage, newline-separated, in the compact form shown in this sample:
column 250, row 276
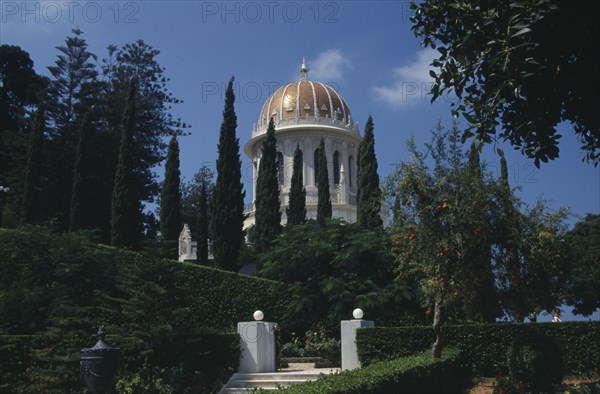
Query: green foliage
column 368, row 192
column 315, row 343
column 268, row 214
column 203, row 225
column 332, row 268
column 413, row 374
column 535, row 361
column 31, row 210
column 60, row 287
column 324, row 198
column 582, row 285
column 125, row 208
column 228, row 199
column 21, row 91
column 170, row 198
column 462, row 236
column 442, row 230
column 169, row 363
column 484, row 345
column 518, row 68
column 296, row 211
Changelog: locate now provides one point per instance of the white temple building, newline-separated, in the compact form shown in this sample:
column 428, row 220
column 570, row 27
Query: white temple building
column 304, row 112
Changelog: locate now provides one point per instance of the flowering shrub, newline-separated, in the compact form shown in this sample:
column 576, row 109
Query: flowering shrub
column 505, row 385
column 316, row 343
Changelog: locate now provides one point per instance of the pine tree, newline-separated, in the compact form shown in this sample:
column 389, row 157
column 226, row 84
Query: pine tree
column 228, row 203
column 30, row 212
column 324, row 202
column 125, row 208
column 73, row 90
column 368, row 192
column 170, row 198
column 138, row 61
column 202, row 242
column 77, row 212
column 268, row 213
column 296, row 211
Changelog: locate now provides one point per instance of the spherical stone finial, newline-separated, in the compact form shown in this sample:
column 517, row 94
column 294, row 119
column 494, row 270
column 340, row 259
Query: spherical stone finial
column 258, row 315
column 358, row 313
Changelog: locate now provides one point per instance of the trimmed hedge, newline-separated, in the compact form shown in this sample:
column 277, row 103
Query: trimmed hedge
column 49, row 362
column 58, row 288
column 413, row 374
column 484, row 345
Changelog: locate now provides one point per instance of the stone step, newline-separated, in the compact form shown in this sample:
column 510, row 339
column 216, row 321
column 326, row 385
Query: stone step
column 246, row 382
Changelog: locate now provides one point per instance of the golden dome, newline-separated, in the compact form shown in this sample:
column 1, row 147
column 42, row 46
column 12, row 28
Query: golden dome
column 305, row 102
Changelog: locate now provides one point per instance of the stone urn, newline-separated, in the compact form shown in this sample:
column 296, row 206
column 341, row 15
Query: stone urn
column 100, row 365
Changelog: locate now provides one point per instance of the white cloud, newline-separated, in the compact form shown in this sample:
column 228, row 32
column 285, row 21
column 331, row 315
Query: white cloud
column 328, row 66
column 411, row 84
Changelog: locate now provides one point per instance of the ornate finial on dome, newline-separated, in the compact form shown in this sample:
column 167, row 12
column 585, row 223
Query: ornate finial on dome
column 303, row 69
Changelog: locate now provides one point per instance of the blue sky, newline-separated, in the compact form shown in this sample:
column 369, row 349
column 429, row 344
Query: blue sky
column 365, row 49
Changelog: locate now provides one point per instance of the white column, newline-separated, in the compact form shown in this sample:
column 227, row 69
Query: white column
column 349, row 350
column 257, row 345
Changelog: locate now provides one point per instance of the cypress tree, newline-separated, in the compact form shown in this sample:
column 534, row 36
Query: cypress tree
column 202, row 242
column 125, row 208
column 481, row 302
column 368, row 192
column 76, row 211
column 228, row 203
column 31, row 210
column 296, row 211
column 170, row 198
column 324, row 202
column 268, row 213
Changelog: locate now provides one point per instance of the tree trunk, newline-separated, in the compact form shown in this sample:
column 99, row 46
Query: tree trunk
column 438, row 345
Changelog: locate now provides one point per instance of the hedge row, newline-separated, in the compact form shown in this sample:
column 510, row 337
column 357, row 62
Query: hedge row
column 58, row 288
column 484, row 345
column 412, row 374
column 49, row 362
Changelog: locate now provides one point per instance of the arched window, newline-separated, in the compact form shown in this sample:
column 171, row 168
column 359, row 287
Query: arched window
column 336, row 168
column 350, row 171
column 280, row 175
column 316, row 166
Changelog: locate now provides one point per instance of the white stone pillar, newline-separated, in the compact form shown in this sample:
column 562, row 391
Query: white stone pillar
column 349, row 350
column 257, row 346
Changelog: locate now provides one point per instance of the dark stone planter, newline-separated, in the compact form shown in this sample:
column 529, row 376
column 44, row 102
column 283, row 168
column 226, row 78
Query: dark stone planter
column 100, row 365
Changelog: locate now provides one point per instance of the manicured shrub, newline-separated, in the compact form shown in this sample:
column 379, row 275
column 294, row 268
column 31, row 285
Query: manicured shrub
column 165, row 315
column 485, row 345
column 413, row 374
column 535, row 360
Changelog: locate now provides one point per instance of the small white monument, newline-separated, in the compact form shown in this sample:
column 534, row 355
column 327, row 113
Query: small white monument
column 257, row 345
column 349, row 351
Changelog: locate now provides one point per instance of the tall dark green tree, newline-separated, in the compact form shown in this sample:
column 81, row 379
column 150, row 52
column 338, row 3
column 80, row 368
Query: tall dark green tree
column 31, row 210
column 228, row 203
column 21, row 90
column 81, row 185
column 125, row 208
column 268, row 206
column 324, row 203
column 73, row 90
column 138, row 61
column 473, row 197
column 203, row 225
column 508, row 230
column 582, row 283
column 368, row 191
column 170, row 197
column 296, row 211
